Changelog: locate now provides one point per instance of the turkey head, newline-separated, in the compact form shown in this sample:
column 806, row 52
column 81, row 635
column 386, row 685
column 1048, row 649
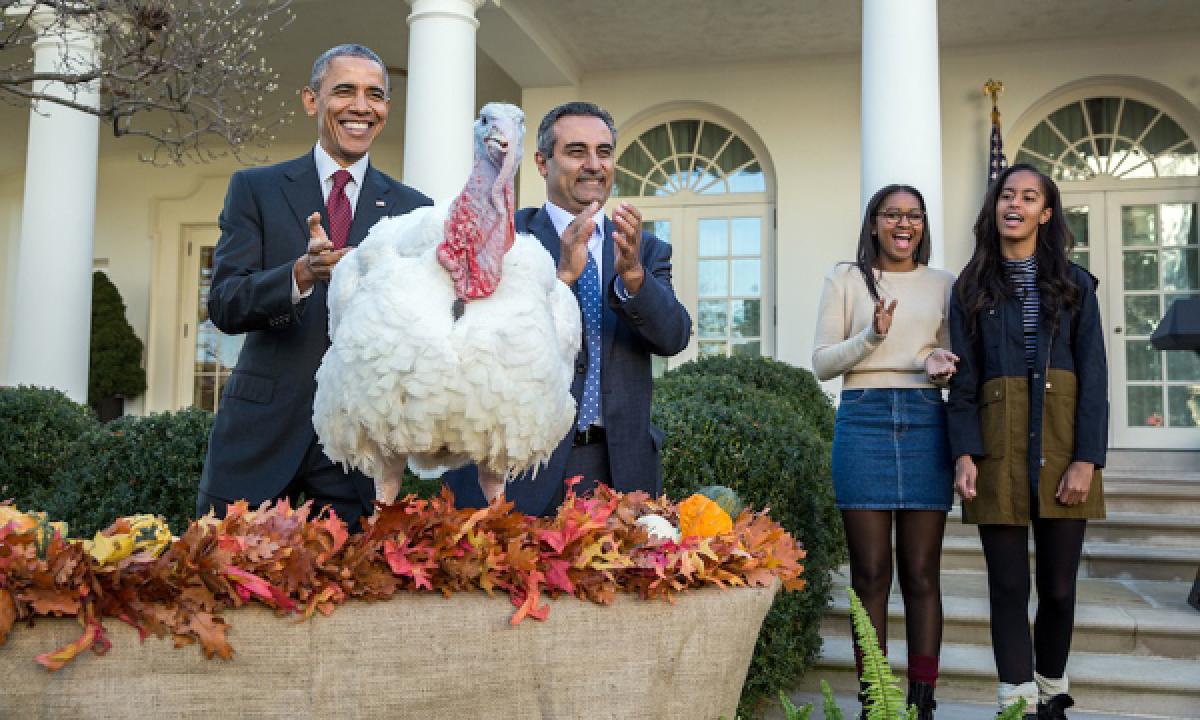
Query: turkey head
column 479, row 225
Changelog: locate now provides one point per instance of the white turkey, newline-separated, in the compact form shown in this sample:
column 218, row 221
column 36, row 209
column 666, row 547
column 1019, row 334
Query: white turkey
column 452, row 339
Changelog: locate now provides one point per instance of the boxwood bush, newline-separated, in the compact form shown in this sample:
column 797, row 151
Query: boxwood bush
column 132, row 465
column 762, row 428
column 37, row 428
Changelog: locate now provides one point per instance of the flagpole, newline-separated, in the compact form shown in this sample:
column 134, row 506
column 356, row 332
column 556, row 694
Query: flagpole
column 996, row 160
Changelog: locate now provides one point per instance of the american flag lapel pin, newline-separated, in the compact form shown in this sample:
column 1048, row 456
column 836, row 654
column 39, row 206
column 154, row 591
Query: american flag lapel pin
column 380, row 203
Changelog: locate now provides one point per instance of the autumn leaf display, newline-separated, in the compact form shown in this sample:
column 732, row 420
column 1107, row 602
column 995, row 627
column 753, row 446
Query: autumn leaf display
column 296, row 564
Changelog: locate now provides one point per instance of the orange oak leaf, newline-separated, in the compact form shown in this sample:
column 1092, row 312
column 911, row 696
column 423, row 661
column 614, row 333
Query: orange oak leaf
column 8, row 614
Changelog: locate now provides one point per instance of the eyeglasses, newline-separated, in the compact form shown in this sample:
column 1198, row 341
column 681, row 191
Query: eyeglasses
column 892, row 217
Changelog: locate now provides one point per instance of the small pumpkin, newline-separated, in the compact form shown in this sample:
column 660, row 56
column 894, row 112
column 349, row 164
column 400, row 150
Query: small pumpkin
column 726, row 497
column 22, row 522
column 659, row 527
column 699, row 515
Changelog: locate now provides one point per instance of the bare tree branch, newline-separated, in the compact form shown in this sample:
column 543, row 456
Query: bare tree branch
column 185, row 74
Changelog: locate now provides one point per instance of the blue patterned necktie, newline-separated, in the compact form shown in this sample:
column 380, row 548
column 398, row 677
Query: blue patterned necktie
column 589, row 303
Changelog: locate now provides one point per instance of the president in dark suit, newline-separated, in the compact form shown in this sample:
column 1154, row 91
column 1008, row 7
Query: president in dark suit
column 283, row 229
column 622, row 277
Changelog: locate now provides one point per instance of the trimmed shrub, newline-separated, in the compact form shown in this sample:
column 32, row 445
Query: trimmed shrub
column 115, row 362
column 132, row 465
column 37, row 427
column 761, row 431
column 796, row 385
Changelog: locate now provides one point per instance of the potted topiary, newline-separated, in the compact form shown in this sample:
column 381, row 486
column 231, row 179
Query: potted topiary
column 115, row 364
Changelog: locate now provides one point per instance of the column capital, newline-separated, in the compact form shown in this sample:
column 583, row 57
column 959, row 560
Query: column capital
column 454, row 9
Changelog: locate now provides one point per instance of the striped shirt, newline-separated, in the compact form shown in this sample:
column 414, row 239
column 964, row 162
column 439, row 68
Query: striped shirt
column 1022, row 277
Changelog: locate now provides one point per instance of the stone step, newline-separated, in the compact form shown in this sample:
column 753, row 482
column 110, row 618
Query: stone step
column 1124, row 527
column 1100, row 559
column 1111, row 683
column 1156, row 462
column 1111, row 616
column 1171, row 495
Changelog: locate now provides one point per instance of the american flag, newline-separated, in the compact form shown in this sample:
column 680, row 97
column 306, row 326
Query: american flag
column 996, row 161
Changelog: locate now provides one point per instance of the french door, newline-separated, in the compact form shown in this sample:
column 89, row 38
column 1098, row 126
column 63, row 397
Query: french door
column 206, row 355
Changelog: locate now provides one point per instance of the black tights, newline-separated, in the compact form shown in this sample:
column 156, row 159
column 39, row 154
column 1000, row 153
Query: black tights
column 1057, row 546
column 919, row 558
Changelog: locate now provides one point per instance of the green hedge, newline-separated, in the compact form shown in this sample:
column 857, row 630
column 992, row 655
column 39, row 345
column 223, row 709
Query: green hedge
column 762, row 428
column 132, row 465
column 37, row 428
column 115, row 361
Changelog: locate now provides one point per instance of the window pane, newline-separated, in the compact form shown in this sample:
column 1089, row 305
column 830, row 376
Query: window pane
column 1141, row 270
column 747, row 319
column 1139, row 225
column 736, row 154
column 749, row 179
column 1182, row 365
column 1145, row 406
column 1069, row 121
column 1141, row 314
column 1181, row 269
column 1135, row 116
column 747, row 276
column 635, row 160
column 1040, row 164
column 712, row 319
column 747, row 235
column 712, row 137
column 1183, row 162
column 1077, row 221
column 708, row 349
column 658, row 366
column 750, row 348
column 714, row 278
column 714, row 237
column 655, row 140
column 1103, row 113
column 684, row 133
column 1165, row 134
column 625, row 185
column 1184, row 401
column 1142, row 362
column 660, row 229
column 1044, row 141
column 1080, row 257
column 1178, row 224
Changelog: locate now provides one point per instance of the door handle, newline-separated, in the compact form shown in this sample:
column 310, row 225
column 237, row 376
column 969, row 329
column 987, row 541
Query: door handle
column 1117, row 330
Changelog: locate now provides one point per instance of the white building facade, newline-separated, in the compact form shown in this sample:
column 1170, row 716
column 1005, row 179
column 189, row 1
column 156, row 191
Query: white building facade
column 749, row 134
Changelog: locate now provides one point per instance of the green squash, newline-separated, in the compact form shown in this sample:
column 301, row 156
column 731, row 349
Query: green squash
column 725, row 498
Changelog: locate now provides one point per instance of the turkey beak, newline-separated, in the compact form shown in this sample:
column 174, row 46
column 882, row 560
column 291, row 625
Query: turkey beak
column 497, row 145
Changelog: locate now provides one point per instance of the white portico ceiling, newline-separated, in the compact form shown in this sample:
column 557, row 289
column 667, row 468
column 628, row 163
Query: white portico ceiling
column 608, row 35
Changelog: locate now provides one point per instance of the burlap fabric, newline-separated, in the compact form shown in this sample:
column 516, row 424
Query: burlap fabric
column 416, row 656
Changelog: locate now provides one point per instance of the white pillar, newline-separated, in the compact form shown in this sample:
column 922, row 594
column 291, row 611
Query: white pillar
column 901, row 106
column 52, row 304
column 441, row 96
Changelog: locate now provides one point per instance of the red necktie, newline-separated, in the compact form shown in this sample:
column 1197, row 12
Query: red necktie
column 338, row 208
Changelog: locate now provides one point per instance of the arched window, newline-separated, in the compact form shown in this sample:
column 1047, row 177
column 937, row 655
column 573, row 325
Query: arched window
column 702, row 187
column 1115, row 136
column 695, row 155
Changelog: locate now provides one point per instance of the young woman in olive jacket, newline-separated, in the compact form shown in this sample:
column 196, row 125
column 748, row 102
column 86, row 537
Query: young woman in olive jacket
column 1028, row 419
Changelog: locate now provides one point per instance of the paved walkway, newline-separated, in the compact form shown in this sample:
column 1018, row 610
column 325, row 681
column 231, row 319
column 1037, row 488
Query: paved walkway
column 946, row 710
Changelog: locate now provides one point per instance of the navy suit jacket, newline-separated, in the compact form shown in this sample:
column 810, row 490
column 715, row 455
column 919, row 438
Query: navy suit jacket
column 651, row 322
column 263, row 426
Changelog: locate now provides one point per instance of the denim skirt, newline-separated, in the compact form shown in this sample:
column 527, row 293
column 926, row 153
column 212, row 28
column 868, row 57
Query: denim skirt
column 890, row 450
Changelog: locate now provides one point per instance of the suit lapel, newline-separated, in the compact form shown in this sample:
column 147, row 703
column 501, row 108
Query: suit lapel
column 303, row 193
column 375, row 201
column 541, row 228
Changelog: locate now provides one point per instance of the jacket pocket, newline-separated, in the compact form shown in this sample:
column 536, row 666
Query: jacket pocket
column 993, row 418
column 1058, row 415
column 251, row 388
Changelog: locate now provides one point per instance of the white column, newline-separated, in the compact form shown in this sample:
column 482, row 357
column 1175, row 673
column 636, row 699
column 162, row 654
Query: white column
column 901, row 105
column 52, row 302
column 440, row 106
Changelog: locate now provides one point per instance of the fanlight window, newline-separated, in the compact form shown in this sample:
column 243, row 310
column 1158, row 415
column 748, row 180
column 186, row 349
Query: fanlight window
column 1114, row 136
column 695, row 155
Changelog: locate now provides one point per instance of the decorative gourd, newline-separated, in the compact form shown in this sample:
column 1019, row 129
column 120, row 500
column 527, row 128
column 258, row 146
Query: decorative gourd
column 725, row 497
column 659, row 527
column 700, row 516
column 22, row 522
column 136, row 533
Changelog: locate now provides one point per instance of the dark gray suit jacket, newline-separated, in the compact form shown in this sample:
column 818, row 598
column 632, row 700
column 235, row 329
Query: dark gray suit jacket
column 651, row 322
column 264, row 425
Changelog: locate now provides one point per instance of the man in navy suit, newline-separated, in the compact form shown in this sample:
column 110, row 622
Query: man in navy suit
column 283, row 229
column 622, row 277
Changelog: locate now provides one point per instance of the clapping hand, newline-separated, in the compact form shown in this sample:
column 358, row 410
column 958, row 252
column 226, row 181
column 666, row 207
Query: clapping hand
column 883, row 316
column 627, row 240
column 940, row 365
column 574, row 244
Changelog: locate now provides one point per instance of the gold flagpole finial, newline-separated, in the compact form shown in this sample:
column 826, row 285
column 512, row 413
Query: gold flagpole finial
column 993, row 89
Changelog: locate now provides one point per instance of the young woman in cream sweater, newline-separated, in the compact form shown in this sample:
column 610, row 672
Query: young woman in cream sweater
column 882, row 326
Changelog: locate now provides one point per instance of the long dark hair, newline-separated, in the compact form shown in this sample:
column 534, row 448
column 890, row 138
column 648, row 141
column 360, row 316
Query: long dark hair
column 982, row 283
column 867, row 259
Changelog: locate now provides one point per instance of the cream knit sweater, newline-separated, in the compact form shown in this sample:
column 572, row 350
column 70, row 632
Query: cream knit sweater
column 846, row 341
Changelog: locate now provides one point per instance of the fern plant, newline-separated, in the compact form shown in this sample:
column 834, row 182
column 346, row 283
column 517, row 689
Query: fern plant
column 885, row 699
